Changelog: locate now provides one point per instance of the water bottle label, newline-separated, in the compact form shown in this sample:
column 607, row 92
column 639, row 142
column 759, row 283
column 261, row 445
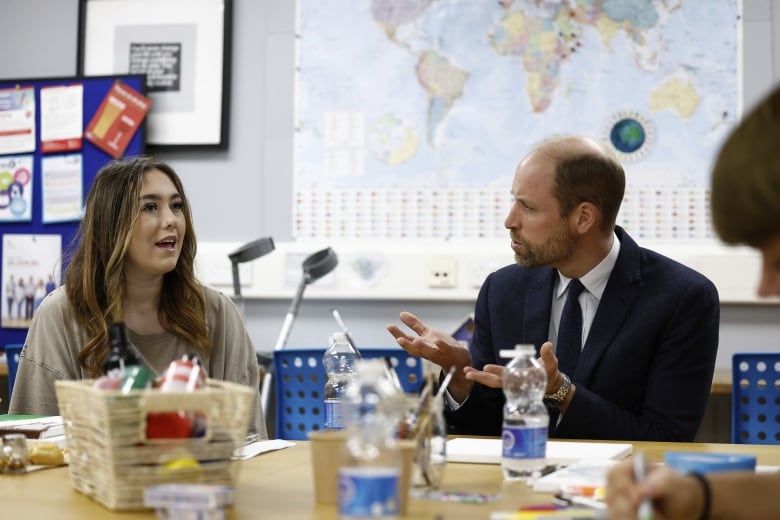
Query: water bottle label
column 368, row 492
column 524, row 443
column 334, row 414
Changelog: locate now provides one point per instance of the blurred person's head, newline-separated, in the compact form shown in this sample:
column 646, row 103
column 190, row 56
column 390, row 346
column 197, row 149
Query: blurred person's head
column 746, row 188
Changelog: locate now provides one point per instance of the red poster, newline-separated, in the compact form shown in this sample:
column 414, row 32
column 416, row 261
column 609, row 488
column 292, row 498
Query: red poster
column 117, row 119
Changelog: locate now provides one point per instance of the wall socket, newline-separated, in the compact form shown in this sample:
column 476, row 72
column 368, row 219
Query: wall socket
column 442, row 272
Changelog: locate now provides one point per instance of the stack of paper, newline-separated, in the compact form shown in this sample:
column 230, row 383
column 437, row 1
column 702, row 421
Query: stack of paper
column 488, row 451
column 40, row 428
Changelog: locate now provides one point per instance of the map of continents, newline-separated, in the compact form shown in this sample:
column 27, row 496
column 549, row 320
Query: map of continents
column 450, row 93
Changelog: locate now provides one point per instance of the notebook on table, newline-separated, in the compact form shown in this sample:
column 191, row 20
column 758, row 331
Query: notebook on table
column 488, row 451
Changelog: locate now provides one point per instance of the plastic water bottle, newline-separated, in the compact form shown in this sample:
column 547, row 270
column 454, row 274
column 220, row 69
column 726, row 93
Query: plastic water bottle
column 339, row 363
column 369, row 476
column 524, row 432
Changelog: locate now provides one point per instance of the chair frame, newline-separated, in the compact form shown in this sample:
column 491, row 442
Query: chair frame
column 755, row 398
column 299, row 380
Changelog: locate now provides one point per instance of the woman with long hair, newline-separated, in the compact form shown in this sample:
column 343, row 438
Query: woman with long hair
column 132, row 261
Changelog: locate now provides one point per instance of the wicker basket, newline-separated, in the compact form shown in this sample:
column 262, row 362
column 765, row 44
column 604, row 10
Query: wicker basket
column 112, row 461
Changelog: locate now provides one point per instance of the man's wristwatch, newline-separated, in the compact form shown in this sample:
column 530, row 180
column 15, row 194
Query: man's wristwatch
column 557, row 398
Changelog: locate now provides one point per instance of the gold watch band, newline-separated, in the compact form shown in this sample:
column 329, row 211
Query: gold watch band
column 557, row 398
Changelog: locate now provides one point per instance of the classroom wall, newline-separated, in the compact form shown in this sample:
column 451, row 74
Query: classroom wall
column 245, row 192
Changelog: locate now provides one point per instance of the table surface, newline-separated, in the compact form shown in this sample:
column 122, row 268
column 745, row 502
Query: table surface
column 279, row 485
column 721, row 381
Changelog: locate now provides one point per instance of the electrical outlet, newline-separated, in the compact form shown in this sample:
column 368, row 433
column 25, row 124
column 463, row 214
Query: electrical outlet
column 442, row 272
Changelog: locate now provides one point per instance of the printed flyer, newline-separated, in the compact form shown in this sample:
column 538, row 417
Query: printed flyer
column 117, row 119
column 31, row 270
column 17, row 120
column 62, row 121
column 16, row 184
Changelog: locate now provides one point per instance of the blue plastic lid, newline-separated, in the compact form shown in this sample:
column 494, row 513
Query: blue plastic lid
column 692, row 462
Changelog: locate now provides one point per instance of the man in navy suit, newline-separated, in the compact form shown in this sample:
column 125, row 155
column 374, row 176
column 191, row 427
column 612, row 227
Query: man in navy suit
column 649, row 324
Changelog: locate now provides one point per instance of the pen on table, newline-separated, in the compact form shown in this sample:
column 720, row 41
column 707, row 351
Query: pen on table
column 562, row 514
column 569, row 499
column 579, row 500
column 391, row 372
column 540, row 507
column 645, row 511
column 343, row 327
column 446, row 382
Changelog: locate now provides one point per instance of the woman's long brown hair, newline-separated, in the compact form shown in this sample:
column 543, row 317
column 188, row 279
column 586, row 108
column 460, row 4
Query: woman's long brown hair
column 95, row 276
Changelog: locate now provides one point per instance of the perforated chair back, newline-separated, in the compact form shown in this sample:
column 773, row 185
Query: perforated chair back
column 12, row 353
column 300, row 381
column 755, row 398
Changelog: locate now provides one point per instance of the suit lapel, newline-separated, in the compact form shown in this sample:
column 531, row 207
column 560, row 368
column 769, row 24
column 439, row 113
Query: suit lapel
column 538, row 306
column 615, row 306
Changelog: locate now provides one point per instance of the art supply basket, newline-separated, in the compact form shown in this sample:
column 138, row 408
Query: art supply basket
column 111, row 458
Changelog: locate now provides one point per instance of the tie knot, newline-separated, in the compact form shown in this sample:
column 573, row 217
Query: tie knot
column 575, row 288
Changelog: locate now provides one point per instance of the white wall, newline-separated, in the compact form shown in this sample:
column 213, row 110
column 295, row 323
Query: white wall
column 246, row 192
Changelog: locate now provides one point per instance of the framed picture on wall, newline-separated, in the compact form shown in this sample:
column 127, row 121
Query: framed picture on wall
column 183, row 47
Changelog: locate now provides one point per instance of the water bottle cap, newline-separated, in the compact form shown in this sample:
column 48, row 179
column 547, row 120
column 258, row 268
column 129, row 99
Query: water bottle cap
column 338, row 336
column 519, row 349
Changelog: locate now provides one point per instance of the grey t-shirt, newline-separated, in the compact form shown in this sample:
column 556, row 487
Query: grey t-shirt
column 54, row 340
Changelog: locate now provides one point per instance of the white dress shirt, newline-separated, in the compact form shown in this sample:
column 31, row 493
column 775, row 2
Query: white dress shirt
column 594, row 281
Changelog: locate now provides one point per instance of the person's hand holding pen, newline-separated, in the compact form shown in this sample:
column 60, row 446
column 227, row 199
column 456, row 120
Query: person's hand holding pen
column 673, row 495
column 645, row 511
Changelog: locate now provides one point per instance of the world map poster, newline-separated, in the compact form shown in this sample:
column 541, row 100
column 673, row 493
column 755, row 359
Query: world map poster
column 411, row 115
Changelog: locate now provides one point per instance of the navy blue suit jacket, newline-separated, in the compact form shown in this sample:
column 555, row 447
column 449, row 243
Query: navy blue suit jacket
column 645, row 370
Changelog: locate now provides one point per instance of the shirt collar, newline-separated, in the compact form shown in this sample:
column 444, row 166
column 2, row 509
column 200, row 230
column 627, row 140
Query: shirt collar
column 595, row 280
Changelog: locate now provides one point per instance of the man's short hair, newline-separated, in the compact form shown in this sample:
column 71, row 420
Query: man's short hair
column 586, row 171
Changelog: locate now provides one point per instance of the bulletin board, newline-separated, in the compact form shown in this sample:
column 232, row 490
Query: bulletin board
column 93, row 158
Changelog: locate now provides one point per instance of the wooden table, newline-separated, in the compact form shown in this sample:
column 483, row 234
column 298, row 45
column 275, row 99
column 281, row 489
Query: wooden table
column 279, row 485
column 721, row 382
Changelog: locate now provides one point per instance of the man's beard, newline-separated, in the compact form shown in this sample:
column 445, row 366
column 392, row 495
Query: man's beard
column 558, row 247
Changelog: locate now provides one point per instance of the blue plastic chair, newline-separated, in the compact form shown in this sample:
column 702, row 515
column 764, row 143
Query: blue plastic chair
column 755, row 398
column 299, row 379
column 12, row 356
